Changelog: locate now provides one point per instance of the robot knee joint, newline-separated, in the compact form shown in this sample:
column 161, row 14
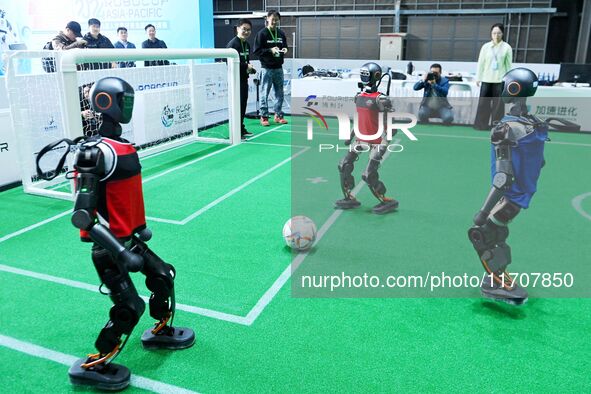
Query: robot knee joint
column 346, row 165
column 126, row 315
column 504, row 212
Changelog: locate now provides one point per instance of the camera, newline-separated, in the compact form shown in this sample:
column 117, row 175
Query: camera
column 431, row 77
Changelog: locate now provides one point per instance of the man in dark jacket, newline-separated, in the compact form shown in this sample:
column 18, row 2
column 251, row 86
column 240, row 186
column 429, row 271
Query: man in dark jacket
column 153, row 42
column 435, row 104
column 95, row 40
column 270, row 45
column 241, row 45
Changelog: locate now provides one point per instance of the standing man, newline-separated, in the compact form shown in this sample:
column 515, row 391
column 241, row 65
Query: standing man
column 270, row 45
column 153, row 42
column 124, row 44
column 95, row 40
column 241, row 45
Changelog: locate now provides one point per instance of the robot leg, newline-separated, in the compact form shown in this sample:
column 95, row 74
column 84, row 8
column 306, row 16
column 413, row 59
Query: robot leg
column 97, row 370
column 377, row 187
column 495, row 255
column 346, row 166
column 160, row 281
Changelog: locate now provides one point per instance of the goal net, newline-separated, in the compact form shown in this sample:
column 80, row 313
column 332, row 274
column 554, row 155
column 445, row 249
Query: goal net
column 181, row 96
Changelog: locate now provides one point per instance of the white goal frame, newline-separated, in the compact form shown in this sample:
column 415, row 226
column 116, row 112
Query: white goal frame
column 67, row 61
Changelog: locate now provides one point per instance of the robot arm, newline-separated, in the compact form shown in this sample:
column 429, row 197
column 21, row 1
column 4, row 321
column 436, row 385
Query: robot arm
column 384, row 103
column 503, row 178
column 90, row 165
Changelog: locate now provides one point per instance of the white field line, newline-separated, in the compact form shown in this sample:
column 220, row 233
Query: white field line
column 467, row 137
column 262, row 303
column 68, row 360
column 33, row 226
column 217, row 152
column 577, row 205
column 239, row 188
column 94, row 288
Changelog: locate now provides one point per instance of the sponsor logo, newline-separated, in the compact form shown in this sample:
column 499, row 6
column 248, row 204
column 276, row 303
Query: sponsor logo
column 152, row 86
column 167, row 116
column 314, row 114
column 3, row 147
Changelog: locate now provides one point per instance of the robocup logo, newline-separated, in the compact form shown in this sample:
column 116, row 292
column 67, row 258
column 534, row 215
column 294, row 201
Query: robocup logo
column 51, row 125
column 3, row 147
column 393, row 121
column 167, row 116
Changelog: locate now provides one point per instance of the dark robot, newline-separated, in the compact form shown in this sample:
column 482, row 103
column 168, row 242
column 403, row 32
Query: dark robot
column 370, row 105
column 517, row 158
column 109, row 190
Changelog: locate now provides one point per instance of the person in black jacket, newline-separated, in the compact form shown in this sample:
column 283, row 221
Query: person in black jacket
column 94, row 40
column 241, row 45
column 153, row 42
column 270, row 45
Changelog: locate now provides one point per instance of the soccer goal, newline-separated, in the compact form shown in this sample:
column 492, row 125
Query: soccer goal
column 181, row 96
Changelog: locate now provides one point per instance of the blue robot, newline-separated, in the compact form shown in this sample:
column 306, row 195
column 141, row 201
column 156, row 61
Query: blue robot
column 517, row 157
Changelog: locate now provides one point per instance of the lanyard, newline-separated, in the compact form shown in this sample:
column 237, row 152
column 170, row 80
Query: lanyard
column 495, row 52
column 244, row 54
column 273, row 36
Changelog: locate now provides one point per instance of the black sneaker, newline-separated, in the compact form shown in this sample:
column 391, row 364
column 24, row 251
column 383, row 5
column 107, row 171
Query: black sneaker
column 247, row 134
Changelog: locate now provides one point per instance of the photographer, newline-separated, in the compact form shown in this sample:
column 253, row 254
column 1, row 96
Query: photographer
column 434, row 104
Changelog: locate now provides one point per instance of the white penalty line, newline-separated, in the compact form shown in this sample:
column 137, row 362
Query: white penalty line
column 282, row 145
column 237, row 189
column 68, row 360
column 94, row 288
column 173, row 169
column 34, row 226
column 229, row 194
column 262, row 303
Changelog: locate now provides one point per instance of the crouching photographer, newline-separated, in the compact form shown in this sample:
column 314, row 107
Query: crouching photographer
column 434, row 104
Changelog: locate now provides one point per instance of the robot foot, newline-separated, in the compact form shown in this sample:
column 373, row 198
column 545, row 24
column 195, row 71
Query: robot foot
column 110, row 377
column 172, row 338
column 511, row 295
column 347, row 203
column 385, row 207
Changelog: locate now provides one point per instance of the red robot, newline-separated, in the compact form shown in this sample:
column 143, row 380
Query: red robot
column 370, row 105
column 109, row 211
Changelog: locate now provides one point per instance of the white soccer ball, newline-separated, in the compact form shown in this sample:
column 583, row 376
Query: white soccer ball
column 299, row 233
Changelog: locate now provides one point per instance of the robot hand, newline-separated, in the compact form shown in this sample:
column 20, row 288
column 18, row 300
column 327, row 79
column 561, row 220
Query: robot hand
column 133, row 262
column 145, row 235
column 385, row 104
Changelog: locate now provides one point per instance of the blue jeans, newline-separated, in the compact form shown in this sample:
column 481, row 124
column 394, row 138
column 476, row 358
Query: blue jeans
column 272, row 77
column 444, row 113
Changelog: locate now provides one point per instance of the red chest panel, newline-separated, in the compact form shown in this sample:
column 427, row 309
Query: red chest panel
column 368, row 115
column 121, row 200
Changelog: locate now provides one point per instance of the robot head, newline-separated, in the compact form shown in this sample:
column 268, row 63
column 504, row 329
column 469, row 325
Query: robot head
column 112, row 97
column 519, row 82
column 370, row 74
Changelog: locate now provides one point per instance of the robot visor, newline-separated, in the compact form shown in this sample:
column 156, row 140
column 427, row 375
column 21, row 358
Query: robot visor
column 126, row 107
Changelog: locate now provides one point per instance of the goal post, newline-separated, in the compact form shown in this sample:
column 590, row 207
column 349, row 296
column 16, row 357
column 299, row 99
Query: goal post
column 193, row 98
